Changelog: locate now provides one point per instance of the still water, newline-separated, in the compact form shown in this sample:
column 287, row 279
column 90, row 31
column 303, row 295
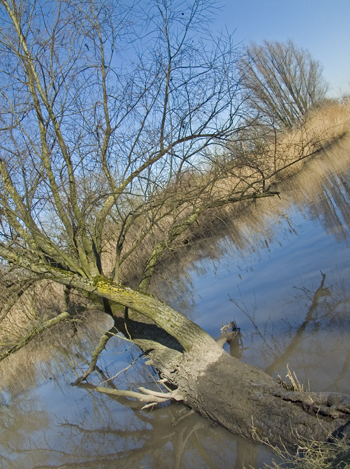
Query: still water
column 281, row 271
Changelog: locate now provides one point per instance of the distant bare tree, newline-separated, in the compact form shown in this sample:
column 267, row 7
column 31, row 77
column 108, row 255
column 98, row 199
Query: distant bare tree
column 283, row 81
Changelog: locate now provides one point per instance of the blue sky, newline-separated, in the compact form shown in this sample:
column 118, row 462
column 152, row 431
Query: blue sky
column 321, row 26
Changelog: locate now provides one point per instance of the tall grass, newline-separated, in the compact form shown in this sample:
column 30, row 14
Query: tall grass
column 334, row 454
column 321, row 128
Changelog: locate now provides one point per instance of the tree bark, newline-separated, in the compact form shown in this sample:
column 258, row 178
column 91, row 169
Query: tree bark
column 246, row 400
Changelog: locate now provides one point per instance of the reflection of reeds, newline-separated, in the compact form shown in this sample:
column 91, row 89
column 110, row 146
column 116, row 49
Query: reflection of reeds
column 50, row 350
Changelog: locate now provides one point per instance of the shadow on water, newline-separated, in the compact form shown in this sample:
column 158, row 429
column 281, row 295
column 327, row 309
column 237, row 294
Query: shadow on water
column 281, row 271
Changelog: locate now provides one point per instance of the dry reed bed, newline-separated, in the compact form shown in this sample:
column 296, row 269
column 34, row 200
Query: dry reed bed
column 228, row 177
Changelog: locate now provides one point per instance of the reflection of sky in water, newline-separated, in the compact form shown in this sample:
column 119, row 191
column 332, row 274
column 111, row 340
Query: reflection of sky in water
column 274, row 285
column 276, row 269
column 66, row 425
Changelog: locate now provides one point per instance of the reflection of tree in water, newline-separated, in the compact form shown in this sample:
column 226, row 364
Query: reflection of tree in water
column 282, row 358
column 94, row 436
column 24, row 417
column 312, row 340
column 49, row 353
column 49, row 423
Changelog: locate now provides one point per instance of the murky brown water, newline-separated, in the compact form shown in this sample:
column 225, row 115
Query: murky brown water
column 282, row 273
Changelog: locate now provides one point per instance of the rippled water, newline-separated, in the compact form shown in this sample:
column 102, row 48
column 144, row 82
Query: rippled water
column 284, row 279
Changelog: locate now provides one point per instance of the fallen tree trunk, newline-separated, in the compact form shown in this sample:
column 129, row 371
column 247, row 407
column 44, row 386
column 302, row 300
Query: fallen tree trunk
column 248, row 402
column 242, row 398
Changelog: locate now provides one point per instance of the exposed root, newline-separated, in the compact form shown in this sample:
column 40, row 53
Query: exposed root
column 163, row 382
